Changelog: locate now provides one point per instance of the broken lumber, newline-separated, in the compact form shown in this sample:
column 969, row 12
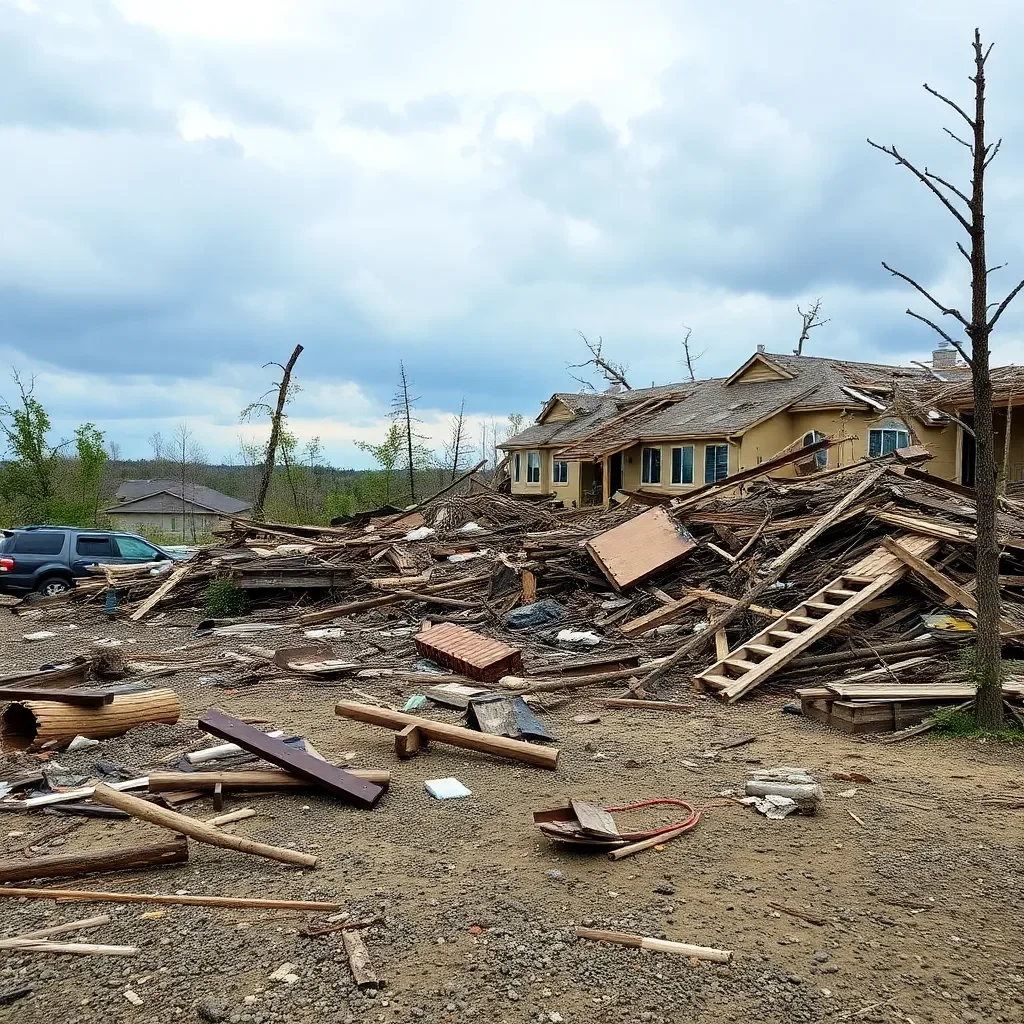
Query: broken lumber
column 645, row 844
column 231, row 816
column 222, row 750
column 197, row 830
column 650, row 705
column 85, row 924
column 718, row 956
column 270, row 778
column 337, row 781
column 156, row 855
column 175, row 577
column 237, row 903
column 442, row 732
column 359, row 960
column 76, row 698
column 79, row 948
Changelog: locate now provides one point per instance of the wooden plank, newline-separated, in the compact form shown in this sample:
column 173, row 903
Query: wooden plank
column 175, row 577
column 442, row 732
column 665, row 613
column 529, row 587
column 197, row 830
column 757, row 609
column 921, row 568
column 595, row 820
column 336, row 780
column 239, row 902
column 650, row 705
column 721, row 644
column 631, row 552
column 78, row 698
column 272, row 778
column 359, row 961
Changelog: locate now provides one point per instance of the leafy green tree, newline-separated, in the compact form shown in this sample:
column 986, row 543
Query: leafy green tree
column 387, row 455
column 92, row 457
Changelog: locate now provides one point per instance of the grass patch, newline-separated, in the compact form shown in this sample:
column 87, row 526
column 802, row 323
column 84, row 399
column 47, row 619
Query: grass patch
column 953, row 724
column 223, row 600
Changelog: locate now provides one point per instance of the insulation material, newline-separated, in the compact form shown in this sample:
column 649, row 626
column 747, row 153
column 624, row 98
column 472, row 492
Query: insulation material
column 637, row 549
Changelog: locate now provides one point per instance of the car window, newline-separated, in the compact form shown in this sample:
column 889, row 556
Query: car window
column 95, row 547
column 132, row 547
column 38, row 543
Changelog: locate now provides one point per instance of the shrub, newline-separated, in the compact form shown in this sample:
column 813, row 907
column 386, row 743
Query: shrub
column 224, row 600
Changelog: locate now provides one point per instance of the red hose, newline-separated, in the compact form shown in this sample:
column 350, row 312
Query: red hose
column 691, row 821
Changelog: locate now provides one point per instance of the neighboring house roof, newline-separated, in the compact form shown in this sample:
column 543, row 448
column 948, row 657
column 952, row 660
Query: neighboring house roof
column 156, row 496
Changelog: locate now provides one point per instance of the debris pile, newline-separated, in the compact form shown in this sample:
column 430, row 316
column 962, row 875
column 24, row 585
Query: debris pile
column 849, row 589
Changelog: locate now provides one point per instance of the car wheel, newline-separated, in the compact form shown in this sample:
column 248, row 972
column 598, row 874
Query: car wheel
column 53, row 587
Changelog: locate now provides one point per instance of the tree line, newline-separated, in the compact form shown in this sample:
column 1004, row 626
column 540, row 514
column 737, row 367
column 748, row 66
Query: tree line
column 70, row 481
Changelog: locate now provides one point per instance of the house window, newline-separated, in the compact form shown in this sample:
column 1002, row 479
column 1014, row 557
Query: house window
column 560, row 472
column 682, row 465
column 533, row 467
column 820, row 458
column 651, row 466
column 716, row 462
column 883, row 440
column 517, row 462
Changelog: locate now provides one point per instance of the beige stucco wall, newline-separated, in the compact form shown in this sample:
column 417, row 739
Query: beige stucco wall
column 632, row 465
column 569, row 492
column 153, row 523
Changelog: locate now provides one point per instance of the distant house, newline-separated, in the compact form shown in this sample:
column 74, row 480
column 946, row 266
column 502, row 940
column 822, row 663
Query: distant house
column 669, row 439
column 158, row 507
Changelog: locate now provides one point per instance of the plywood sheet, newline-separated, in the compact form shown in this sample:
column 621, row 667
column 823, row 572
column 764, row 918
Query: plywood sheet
column 636, row 550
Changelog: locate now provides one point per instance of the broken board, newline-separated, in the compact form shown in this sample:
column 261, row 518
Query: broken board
column 469, row 653
column 635, row 550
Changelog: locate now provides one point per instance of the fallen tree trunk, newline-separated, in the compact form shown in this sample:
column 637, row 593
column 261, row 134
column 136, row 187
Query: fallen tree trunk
column 29, row 724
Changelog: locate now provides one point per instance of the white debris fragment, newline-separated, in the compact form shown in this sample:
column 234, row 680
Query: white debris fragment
column 420, row 533
column 286, row 974
column 574, row 636
column 133, row 997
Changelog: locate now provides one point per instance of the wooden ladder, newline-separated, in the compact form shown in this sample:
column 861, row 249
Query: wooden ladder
column 762, row 656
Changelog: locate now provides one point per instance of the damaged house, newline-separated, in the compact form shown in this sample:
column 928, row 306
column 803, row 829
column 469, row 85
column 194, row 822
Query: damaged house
column 666, row 440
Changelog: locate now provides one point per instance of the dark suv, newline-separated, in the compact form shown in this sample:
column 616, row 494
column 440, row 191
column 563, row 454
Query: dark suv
column 47, row 559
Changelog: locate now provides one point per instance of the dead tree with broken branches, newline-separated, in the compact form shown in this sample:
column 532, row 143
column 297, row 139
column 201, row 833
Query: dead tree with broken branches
column 967, row 208
column 809, row 320
column 614, row 373
column 276, row 414
column 688, row 355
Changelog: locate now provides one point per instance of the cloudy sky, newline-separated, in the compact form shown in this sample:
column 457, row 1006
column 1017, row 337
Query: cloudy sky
column 190, row 187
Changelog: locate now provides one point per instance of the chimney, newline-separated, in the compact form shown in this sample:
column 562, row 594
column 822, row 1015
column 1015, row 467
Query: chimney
column 944, row 357
column 760, row 348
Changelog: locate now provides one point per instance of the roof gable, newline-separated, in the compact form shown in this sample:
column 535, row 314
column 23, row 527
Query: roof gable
column 758, row 369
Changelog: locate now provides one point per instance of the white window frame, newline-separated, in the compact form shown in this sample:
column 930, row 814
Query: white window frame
column 897, row 443
column 533, row 462
column 557, row 476
column 647, row 466
column 709, row 447
column 672, row 465
column 820, row 458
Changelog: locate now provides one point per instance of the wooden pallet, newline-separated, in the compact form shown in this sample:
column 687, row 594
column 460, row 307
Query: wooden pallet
column 761, row 657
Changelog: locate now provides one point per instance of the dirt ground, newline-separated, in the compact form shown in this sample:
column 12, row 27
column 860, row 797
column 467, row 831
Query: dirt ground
column 922, row 899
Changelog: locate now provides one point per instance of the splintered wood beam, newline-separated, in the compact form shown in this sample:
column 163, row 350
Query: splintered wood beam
column 197, row 830
column 919, row 567
column 718, row 956
column 156, row 855
column 78, row 698
column 175, row 577
column 341, row 783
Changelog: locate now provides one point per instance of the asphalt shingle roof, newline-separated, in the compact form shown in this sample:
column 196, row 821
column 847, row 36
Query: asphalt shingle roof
column 132, row 490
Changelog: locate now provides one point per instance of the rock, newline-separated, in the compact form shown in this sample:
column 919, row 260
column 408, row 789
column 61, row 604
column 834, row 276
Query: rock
column 133, row 997
column 286, row 974
column 212, row 1010
column 664, row 890
column 555, row 876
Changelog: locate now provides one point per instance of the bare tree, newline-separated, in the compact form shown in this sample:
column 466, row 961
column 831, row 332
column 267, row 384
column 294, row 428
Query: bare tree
column 277, row 415
column 809, row 320
column 614, row 373
column 188, row 455
column 403, row 408
column 457, row 449
column 968, row 210
column 159, row 446
column 688, row 353
column 115, row 451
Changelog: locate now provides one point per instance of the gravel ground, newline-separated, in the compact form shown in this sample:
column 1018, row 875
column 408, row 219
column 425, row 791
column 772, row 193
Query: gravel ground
column 922, row 902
